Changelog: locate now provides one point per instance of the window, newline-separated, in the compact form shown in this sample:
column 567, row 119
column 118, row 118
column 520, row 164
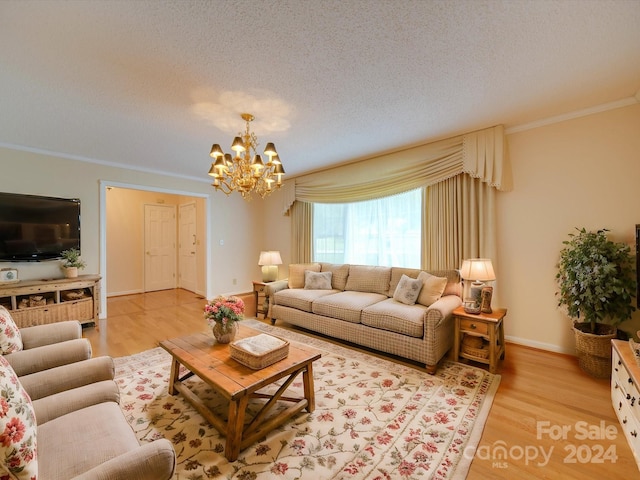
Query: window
column 384, row 231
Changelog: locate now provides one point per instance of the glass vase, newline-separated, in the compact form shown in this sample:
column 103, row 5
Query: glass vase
column 225, row 333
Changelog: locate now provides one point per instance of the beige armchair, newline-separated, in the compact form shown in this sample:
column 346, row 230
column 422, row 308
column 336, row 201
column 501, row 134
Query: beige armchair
column 81, row 431
column 49, row 346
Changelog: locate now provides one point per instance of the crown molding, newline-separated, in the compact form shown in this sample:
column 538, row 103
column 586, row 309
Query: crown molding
column 625, row 102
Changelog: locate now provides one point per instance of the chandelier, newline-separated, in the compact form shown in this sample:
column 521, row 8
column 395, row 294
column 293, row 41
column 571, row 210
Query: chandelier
column 246, row 173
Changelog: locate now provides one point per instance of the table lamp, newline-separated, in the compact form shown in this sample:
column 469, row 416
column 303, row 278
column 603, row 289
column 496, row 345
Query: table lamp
column 478, row 270
column 269, row 261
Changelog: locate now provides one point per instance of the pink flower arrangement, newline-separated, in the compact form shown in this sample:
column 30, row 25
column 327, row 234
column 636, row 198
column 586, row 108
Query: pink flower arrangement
column 224, row 311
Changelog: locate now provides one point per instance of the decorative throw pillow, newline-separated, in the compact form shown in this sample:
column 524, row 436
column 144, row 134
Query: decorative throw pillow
column 407, row 290
column 296, row 273
column 432, row 288
column 317, row 280
column 10, row 338
column 18, row 458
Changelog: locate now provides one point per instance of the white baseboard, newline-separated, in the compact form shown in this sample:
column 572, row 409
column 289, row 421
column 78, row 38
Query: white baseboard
column 119, row 294
column 539, row 345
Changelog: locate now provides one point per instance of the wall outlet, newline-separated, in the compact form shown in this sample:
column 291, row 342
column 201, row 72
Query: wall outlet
column 235, row 281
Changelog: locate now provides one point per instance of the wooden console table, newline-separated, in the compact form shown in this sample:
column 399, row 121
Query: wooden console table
column 38, row 302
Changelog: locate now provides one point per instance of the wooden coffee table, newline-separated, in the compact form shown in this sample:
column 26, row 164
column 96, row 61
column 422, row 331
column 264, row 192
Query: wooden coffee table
column 212, row 362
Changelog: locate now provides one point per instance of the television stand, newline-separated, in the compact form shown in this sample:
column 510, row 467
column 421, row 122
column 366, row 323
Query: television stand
column 38, row 302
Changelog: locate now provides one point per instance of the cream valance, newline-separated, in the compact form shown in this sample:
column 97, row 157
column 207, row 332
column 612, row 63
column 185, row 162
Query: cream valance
column 481, row 154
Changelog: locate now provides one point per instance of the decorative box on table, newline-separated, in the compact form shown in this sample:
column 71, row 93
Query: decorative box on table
column 259, row 351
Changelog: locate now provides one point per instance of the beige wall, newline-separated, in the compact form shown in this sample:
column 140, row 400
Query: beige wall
column 231, row 267
column 583, row 172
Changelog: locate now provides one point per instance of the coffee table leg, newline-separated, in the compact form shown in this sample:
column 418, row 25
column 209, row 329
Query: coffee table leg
column 235, row 426
column 309, row 393
column 173, row 378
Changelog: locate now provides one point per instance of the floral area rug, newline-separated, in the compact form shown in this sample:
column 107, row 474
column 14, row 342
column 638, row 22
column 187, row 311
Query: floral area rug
column 374, row 419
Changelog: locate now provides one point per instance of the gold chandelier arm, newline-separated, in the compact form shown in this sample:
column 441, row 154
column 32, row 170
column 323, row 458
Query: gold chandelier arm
column 222, row 185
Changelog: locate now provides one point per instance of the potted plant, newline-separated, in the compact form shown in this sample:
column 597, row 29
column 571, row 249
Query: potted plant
column 71, row 262
column 596, row 280
column 223, row 314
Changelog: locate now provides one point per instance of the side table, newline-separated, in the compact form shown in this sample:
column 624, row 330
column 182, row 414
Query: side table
column 262, row 298
column 489, row 326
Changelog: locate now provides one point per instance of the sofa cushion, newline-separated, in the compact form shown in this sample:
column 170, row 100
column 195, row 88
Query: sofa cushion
column 345, row 305
column 299, row 298
column 340, row 273
column 454, row 282
column 17, row 428
column 396, row 317
column 317, row 280
column 296, row 273
column 10, row 338
column 432, row 288
column 453, row 287
column 363, row 278
column 408, row 290
column 77, row 435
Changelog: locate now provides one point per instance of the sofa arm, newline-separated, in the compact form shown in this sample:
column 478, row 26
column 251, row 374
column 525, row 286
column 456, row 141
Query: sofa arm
column 37, row 359
column 152, row 461
column 54, row 406
column 48, row 334
column 270, row 291
column 67, row 377
column 273, row 287
column 444, row 306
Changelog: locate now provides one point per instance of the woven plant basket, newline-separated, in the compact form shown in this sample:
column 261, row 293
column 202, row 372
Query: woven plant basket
column 594, row 350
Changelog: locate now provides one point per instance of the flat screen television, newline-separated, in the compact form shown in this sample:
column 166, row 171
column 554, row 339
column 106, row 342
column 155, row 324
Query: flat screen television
column 34, row 228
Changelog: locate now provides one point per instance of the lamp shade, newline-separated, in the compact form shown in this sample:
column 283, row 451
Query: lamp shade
column 271, row 257
column 477, row 269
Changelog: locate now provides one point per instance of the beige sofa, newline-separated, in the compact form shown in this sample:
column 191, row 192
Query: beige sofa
column 365, row 306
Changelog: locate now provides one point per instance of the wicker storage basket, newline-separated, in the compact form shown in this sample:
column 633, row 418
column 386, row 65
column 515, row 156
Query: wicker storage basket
column 475, row 346
column 81, row 310
column 259, row 351
column 594, row 351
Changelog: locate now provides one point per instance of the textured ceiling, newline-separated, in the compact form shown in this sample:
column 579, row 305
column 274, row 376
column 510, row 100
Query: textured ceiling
column 152, row 84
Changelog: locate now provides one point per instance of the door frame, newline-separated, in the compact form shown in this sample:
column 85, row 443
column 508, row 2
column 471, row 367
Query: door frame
column 104, row 185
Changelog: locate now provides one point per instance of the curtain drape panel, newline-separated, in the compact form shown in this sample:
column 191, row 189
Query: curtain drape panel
column 459, row 222
column 301, row 232
column 480, row 154
column 459, row 175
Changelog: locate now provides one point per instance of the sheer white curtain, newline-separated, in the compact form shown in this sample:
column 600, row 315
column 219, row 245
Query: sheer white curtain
column 384, row 231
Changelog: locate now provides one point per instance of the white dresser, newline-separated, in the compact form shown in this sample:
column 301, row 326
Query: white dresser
column 625, row 393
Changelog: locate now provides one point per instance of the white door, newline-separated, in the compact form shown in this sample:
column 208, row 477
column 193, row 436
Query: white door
column 160, row 247
column 187, row 245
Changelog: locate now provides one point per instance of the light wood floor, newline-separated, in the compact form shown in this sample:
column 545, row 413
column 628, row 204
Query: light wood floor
column 540, row 394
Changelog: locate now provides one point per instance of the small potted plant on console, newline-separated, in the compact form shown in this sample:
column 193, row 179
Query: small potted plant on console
column 72, row 262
